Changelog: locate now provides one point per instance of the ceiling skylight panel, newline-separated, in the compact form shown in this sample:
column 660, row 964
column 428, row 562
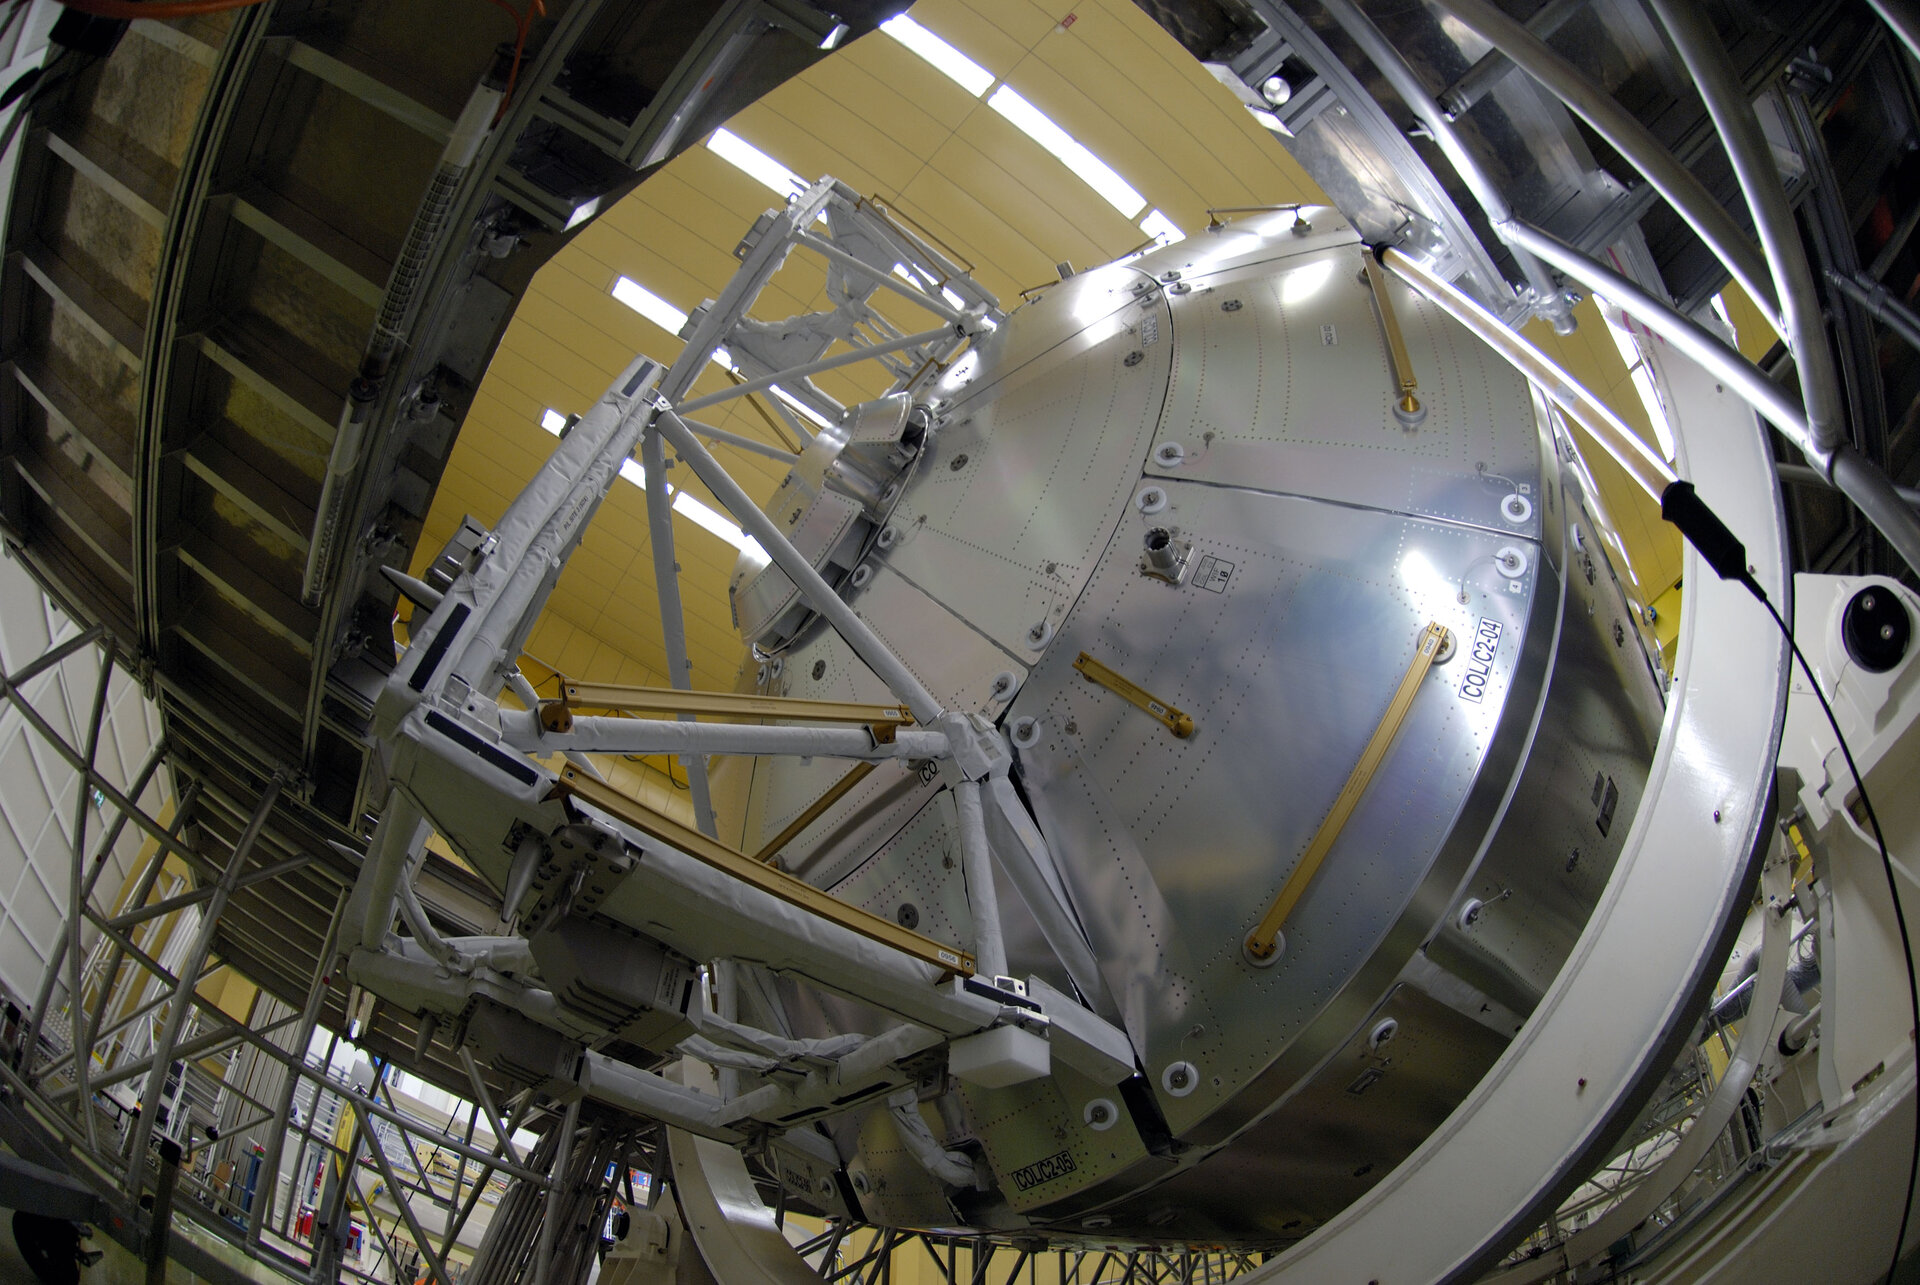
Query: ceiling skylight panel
column 701, row 514
column 1161, row 228
column 1071, row 152
column 649, row 305
column 753, row 162
column 943, row 57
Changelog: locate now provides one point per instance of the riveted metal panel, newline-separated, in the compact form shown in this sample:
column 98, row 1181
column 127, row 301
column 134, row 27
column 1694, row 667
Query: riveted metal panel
column 1285, row 655
column 1281, row 381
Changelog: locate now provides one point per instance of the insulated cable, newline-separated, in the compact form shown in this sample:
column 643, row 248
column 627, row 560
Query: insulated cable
column 1728, row 557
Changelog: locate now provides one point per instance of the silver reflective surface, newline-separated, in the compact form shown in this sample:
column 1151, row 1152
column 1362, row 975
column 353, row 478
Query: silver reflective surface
column 1232, row 397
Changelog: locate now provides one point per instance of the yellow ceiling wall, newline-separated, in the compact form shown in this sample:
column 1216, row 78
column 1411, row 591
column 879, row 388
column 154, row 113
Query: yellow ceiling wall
column 880, row 119
column 877, row 117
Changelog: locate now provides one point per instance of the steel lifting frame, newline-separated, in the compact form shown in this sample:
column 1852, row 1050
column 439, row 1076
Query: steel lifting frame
column 466, row 651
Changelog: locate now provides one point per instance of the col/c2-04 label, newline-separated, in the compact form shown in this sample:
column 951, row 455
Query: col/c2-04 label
column 1480, row 649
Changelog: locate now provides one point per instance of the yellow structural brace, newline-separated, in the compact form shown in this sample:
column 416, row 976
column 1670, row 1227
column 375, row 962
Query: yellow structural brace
column 1260, row 942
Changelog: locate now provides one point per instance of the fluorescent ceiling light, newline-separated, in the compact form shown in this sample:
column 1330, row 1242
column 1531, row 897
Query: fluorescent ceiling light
column 1161, row 228
column 1072, row 153
column 953, row 300
column 945, row 59
column 804, row 410
column 753, row 162
column 649, row 305
column 709, row 519
column 702, row 515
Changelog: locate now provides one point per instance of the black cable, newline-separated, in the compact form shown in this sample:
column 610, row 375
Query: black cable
column 1728, row 557
column 1893, row 891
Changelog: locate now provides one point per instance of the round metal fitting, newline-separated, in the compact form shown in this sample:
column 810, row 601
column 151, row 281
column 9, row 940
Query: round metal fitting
column 1382, row 1033
column 1151, row 499
column 1272, row 957
column 1511, row 561
column 1470, row 913
column 1039, row 635
column 861, row 575
column 1026, row 733
column 1875, row 629
column 1180, row 1079
column 1169, row 455
column 1516, row 508
column 1005, row 684
column 888, row 536
column 1276, row 91
column 1101, row 1114
column 861, row 1183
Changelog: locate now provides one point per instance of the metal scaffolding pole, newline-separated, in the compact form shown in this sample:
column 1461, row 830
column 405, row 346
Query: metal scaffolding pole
column 317, row 989
column 1687, row 195
column 673, row 620
column 189, row 974
column 1753, row 164
column 1547, row 299
column 550, row 1225
column 379, row 1153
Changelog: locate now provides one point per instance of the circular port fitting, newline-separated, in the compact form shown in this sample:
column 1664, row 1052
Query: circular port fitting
column 1875, row 629
column 889, row 535
column 1267, row 960
column 1162, row 554
column 1101, row 1114
column 1447, row 648
column 1180, row 1079
column 1005, row 684
column 1169, row 455
column 1039, row 635
column 862, row 574
column 1470, row 914
column 1382, row 1034
column 1410, row 411
column 1151, row 499
column 1025, row 734
column 1516, row 508
column 861, row 1184
column 1511, row 561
